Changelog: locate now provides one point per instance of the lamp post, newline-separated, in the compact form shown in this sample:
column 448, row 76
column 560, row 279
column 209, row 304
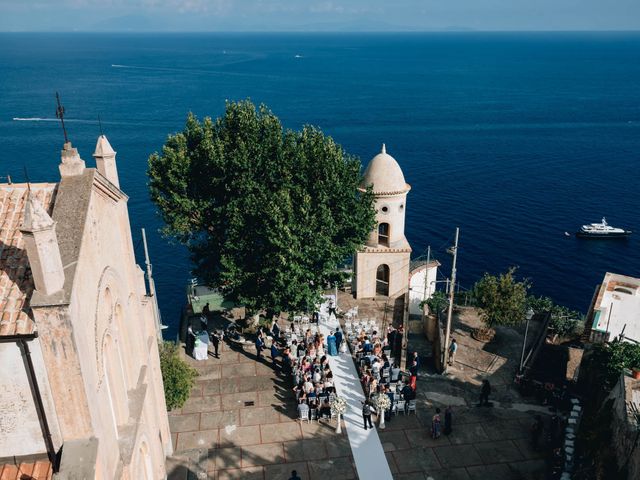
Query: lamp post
column 529, row 315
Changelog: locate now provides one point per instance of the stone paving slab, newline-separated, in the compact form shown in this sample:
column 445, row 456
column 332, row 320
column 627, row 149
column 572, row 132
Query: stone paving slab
column 452, row 456
column 224, row 458
column 416, row 460
column 239, row 436
column 498, row 452
column 262, row 454
column 280, row 432
column 334, row 469
column 220, row 419
column 494, row 472
column 184, row 423
column 303, row 450
column 250, row 473
column 393, row 440
column 198, row 439
column 209, row 403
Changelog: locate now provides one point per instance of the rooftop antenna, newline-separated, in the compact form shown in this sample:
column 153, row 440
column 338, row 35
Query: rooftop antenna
column 60, row 115
column 100, row 123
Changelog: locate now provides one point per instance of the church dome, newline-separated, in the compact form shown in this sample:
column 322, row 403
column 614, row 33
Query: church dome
column 385, row 175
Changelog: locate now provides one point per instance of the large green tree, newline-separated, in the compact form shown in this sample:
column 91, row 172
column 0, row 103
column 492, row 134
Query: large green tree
column 501, row 298
column 266, row 213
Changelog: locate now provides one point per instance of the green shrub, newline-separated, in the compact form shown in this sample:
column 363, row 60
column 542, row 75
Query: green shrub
column 177, row 375
column 564, row 321
column 436, row 303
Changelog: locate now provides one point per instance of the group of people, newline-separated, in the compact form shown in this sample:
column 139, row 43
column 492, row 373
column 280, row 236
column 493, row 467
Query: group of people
column 381, row 374
column 307, row 361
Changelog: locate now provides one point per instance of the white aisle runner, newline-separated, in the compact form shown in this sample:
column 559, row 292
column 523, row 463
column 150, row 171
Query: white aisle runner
column 368, row 454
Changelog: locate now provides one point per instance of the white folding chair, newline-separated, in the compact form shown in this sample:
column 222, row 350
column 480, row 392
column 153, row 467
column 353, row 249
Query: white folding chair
column 304, row 415
column 399, row 407
column 412, row 407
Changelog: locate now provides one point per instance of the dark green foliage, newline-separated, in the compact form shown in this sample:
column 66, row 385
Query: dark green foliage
column 437, row 303
column 267, row 214
column 614, row 357
column 178, row 377
column 564, row 321
column 502, row 299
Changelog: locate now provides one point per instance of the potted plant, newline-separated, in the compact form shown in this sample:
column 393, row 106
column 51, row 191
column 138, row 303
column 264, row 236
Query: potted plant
column 635, row 373
column 338, row 408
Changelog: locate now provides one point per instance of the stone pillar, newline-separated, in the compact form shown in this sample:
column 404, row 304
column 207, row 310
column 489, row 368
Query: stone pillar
column 70, row 162
column 41, row 243
column 106, row 160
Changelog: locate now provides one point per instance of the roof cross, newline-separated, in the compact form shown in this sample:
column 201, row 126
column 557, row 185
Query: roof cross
column 60, row 115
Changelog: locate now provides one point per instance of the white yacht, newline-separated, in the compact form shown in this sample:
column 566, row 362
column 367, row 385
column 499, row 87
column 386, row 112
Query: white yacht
column 602, row 230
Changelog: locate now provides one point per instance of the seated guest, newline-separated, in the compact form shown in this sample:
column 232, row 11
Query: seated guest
column 407, row 392
column 325, row 409
column 395, row 373
column 367, row 347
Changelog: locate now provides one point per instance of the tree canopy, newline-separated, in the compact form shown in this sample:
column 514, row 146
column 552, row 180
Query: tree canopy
column 502, row 299
column 266, row 213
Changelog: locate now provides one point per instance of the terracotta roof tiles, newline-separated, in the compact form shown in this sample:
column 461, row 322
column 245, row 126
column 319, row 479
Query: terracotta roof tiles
column 16, row 281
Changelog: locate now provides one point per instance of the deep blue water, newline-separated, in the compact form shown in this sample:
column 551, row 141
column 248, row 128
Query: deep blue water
column 514, row 138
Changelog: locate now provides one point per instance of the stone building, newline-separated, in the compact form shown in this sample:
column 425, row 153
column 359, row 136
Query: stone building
column 80, row 382
column 615, row 310
column 381, row 267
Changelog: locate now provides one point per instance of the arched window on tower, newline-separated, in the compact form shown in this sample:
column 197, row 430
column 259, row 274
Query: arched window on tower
column 382, row 280
column 383, row 234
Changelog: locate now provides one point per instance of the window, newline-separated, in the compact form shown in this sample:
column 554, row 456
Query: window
column 385, row 209
column 382, row 280
column 383, row 234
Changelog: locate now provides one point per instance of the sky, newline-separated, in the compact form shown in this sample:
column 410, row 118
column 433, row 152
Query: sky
column 318, row 15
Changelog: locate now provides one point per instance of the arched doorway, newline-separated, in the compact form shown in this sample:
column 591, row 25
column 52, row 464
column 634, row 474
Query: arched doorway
column 383, row 234
column 382, row 280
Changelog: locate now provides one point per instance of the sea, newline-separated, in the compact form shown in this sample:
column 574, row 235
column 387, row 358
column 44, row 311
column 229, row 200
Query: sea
column 515, row 138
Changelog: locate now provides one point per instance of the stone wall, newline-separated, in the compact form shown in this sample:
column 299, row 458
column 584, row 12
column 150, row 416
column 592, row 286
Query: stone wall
column 624, row 427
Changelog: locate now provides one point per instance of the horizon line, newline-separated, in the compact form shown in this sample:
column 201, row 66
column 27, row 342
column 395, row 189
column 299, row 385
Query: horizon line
column 406, row 31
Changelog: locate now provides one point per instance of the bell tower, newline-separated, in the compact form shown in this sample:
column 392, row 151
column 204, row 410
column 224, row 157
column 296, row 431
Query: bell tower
column 381, row 267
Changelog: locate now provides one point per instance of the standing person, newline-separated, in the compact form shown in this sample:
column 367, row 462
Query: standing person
column 416, row 358
column 453, row 348
column 275, row 330
column 294, row 476
column 448, row 420
column 332, row 308
column 435, row 424
column 190, row 341
column 413, row 379
column 366, row 413
column 215, row 340
column 485, row 392
column 206, row 310
column 274, row 353
column 332, row 348
column 536, row 431
column 259, row 346
column 338, row 336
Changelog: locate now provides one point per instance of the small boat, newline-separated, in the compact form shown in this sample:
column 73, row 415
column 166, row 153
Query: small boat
column 602, row 230
column 567, row 234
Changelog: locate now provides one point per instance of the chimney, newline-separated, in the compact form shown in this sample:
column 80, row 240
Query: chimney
column 71, row 164
column 106, row 160
column 41, row 243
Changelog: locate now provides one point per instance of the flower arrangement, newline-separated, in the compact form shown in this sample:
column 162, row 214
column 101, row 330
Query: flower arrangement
column 382, row 402
column 338, row 406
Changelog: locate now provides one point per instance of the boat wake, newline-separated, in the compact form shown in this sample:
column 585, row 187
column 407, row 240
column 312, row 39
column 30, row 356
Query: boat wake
column 40, row 119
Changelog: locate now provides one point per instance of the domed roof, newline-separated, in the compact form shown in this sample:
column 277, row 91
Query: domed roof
column 384, row 173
